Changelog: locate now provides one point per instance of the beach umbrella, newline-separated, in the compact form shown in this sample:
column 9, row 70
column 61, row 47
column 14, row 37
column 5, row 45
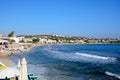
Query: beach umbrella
column 23, row 70
column 9, row 73
column 19, row 64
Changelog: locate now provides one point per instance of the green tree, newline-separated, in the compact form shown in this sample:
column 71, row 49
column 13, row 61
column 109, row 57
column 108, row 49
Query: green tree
column 87, row 41
column 12, row 41
column 35, row 40
column 11, row 34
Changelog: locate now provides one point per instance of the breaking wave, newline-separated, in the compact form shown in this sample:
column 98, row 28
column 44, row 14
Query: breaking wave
column 96, row 56
column 77, row 56
column 75, row 61
column 112, row 74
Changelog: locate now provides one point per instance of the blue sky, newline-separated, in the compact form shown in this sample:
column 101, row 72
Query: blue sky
column 88, row 18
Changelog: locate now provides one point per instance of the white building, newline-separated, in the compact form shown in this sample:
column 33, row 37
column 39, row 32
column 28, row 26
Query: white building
column 15, row 39
column 47, row 41
column 20, row 38
column 51, row 41
column 27, row 40
column 43, row 41
column 81, row 41
column 2, row 42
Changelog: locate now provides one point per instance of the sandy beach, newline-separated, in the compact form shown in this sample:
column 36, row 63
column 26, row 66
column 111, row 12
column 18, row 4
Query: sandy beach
column 4, row 56
column 6, row 61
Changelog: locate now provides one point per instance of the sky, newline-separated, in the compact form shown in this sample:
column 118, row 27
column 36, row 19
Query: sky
column 86, row 18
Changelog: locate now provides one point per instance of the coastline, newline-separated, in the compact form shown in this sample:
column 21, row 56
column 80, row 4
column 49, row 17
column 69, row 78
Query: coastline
column 5, row 59
column 8, row 62
column 4, row 56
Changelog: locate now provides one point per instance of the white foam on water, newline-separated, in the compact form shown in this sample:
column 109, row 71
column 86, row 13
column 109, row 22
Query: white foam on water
column 112, row 74
column 96, row 56
column 82, row 57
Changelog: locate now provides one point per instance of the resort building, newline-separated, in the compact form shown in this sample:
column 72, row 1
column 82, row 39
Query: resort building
column 27, row 40
column 51, row 41
column 81, row 42
column 3, row 42
column 15, row 39
column 43, row 41
column 47, row 41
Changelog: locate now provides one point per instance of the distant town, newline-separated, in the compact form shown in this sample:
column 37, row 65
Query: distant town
column 10, row 44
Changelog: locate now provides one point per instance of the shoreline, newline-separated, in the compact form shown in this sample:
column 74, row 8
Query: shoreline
column 4, row 57
column 8, row 62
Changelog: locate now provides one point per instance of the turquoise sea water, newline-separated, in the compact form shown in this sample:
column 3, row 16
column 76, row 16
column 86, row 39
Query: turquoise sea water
column 74, row 62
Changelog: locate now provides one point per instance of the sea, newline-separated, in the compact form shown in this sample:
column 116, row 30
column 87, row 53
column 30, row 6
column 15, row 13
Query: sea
column 73, row 61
